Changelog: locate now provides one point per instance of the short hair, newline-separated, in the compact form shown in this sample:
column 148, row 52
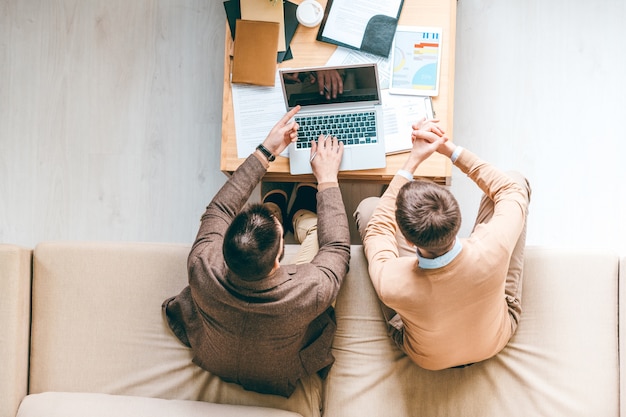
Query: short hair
column 252, row 243
column 428, row 215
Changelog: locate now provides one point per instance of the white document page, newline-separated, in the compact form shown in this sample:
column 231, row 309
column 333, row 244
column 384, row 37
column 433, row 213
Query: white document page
column 347, row 19
column 257, row 110
column 399, row 114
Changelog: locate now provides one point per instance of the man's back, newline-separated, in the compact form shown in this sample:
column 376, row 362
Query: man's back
column 265, row 334
column 452, row 315
column 253, row 332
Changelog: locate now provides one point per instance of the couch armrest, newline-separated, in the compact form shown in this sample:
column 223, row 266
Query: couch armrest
column 15, row 278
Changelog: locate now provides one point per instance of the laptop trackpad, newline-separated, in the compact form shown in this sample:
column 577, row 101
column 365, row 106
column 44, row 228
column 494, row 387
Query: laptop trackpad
column 346, row 160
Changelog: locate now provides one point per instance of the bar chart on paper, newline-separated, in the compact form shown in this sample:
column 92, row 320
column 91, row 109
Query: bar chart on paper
column 416, row 59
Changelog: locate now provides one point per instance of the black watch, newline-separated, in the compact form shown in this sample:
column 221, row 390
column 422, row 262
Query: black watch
column 270, row 156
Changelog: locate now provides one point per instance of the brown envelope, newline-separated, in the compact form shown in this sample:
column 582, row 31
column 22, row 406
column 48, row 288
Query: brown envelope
column 254, row 53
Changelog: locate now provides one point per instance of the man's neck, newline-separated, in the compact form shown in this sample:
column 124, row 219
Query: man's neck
column 435, row 254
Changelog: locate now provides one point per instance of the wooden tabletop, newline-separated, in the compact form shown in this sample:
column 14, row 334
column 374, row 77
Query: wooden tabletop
column 309, row 52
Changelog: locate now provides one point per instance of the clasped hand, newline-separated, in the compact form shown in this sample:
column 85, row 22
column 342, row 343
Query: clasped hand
column 427, row 137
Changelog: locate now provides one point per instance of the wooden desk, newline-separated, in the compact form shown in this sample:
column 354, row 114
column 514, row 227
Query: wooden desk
column 309, row 52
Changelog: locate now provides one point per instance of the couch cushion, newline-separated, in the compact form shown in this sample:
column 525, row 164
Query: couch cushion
column 562, row 361
column 61, row 404
column 98, row 328
column 15, row 274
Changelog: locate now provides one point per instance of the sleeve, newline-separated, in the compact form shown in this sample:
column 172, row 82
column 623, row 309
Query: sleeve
column 509, row 198
column 333, row 258
column 227, row 203
column 380, row 242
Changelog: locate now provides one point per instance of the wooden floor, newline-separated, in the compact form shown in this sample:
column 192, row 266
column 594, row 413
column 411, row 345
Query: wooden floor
column 110, row 116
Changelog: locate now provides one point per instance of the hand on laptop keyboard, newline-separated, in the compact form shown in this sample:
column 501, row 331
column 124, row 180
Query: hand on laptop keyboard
column 326, row 154
column 283, row 133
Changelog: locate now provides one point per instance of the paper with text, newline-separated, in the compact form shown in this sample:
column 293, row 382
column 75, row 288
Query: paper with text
column 257, row 110
column 400, row 113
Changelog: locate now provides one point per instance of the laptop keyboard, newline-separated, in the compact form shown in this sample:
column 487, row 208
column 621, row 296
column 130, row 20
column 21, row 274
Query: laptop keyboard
column 358, row 128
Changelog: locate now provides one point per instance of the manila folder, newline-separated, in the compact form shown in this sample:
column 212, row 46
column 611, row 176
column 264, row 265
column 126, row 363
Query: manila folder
column 254, row 53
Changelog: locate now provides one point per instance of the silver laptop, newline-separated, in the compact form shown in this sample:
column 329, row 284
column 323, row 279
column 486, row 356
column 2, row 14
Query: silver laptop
column 354, row 117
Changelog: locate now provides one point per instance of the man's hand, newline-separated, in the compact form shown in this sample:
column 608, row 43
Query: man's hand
column 283, row 133
column 426, row 127
column 330, row 83
column 326, row 156
column 427, row 137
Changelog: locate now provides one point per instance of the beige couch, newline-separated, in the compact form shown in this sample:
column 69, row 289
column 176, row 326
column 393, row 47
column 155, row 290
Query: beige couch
column 99, row 345
column 15, row 275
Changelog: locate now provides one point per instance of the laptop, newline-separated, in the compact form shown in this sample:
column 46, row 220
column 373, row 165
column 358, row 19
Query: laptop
column 354, row 117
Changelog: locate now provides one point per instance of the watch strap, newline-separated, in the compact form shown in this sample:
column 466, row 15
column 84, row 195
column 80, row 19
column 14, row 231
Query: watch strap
column 270, row 156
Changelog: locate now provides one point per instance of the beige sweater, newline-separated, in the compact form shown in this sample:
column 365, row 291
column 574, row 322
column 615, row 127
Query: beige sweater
column 456, row 314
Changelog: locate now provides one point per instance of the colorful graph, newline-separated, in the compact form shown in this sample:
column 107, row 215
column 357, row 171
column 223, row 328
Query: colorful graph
column 416, row 58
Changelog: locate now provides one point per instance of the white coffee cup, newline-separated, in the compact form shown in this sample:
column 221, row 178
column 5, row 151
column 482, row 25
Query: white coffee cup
column 309, row 13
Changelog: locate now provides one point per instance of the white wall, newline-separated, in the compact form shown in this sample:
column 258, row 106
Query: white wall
column 540, row 88
column 110, row 118
column 110, row 115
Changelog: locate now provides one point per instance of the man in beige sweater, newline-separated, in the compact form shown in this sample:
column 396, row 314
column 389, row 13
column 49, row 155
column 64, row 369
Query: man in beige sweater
column 449, row 302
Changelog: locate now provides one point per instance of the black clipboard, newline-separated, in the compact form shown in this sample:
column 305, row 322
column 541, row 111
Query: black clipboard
column 378, row 36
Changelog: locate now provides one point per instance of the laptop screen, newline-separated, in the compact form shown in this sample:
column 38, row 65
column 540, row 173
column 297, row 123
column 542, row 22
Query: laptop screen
column 302, row 86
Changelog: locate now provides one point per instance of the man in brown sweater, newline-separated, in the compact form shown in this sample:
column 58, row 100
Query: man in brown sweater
column 246, row 317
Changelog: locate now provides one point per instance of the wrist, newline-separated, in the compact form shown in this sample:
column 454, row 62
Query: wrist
column 456, row 153
column 321, row 180
column 321, row 186
column 448, row 149
column 269, row 155
column 411, row 164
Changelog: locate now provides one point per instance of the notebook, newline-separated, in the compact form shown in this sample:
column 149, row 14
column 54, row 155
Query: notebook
column 354, row 117
column 254, row 53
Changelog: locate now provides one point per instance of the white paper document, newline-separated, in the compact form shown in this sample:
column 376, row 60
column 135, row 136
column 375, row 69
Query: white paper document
column 400, row 113
column 257, row 110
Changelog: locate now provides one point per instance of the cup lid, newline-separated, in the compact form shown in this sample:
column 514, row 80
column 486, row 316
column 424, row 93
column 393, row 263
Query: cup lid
column 309, row 13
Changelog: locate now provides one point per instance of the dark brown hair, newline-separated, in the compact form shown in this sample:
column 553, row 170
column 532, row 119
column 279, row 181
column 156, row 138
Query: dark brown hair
column 252, row 243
